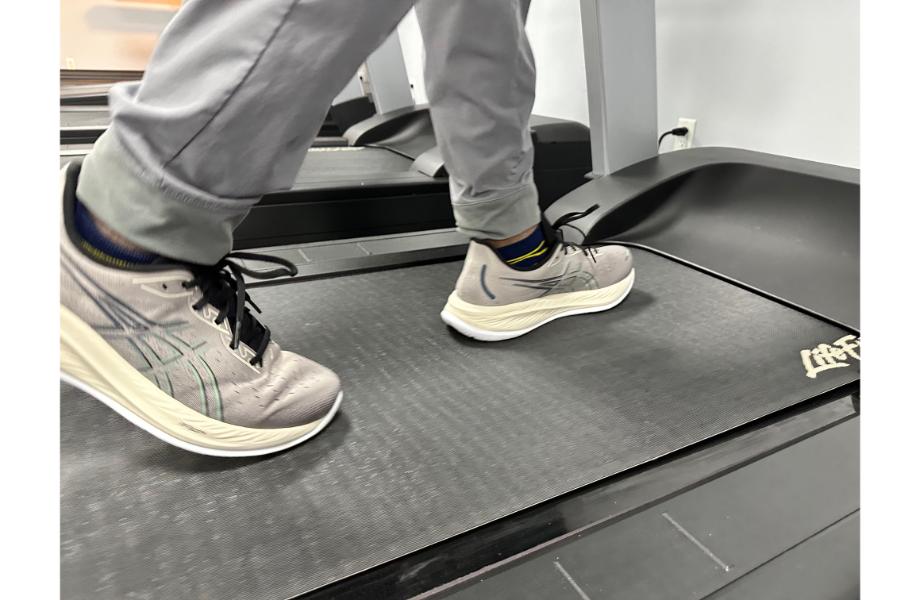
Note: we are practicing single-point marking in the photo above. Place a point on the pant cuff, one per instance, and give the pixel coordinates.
(141, 207)
(500, 217)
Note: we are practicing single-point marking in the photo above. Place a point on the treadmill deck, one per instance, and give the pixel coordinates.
(438, 434)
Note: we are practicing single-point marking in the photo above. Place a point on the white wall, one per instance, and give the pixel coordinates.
(777, 76)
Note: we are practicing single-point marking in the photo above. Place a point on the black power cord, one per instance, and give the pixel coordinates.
(678, 131)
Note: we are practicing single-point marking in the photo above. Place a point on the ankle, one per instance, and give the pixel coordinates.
(511, 240)
(105, 242)
(115, 237)
(524, 251)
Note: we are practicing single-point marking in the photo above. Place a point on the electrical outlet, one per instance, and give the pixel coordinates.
(70, 63)
(682, 142)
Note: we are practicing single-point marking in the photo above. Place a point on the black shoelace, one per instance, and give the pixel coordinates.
(222, 286)
(566, 220)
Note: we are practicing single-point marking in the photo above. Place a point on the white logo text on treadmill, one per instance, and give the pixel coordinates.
(824, 357)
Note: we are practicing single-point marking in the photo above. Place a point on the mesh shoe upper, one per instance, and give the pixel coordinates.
(487, 281)
(158, 322)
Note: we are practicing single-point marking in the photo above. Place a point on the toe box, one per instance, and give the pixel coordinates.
(614, 263)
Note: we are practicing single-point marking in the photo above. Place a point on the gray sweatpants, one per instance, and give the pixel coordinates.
(237, 90)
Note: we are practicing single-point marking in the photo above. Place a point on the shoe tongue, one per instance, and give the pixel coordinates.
(549, 233)
(251, 330)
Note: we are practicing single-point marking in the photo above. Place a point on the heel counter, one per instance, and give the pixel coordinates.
(472, 284)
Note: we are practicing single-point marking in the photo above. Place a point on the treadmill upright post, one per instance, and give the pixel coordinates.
(388, 80)
(353, 89)
(621, 70)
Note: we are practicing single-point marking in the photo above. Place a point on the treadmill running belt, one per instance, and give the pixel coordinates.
(438, 434)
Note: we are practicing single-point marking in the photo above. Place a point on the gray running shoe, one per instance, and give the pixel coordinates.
(493, 302)
(174, 349)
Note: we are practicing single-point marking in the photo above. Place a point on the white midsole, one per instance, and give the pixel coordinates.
(112, 380)
(494, 323)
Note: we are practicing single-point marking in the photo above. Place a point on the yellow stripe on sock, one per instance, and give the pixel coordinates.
(103, 257)
(538, 251)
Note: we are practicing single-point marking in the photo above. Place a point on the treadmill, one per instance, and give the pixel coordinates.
(84, 103)
(85, 115)
(699, 441)
(88, 87)
(82, 123)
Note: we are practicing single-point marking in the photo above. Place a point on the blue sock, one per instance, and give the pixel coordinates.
(526, 254)
(96, 243)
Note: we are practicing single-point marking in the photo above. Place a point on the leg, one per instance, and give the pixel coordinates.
(480, 79)
(231, 100)
(517, 276)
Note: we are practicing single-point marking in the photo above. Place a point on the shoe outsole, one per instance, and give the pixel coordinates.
(492, 335)
(184, 445)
